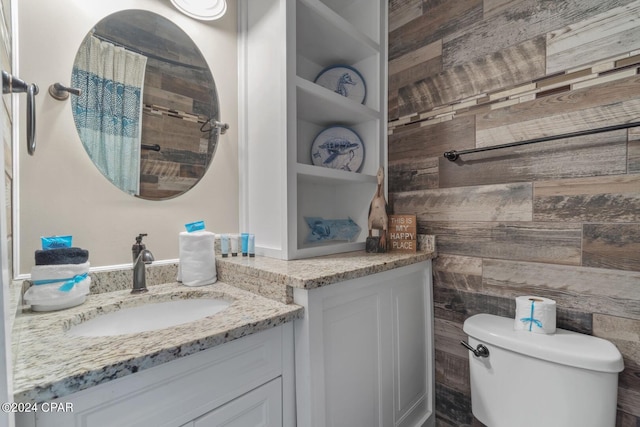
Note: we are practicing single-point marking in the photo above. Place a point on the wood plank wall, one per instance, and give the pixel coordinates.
(559, 219)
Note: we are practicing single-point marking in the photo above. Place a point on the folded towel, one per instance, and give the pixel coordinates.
(60, 273)
(56, 295)
(62, 256)
(197, 258)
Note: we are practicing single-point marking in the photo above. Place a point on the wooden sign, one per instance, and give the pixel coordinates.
(402, 233)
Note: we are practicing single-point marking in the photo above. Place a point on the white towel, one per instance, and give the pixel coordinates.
(61, 271)
(197, 258)
(59, 285)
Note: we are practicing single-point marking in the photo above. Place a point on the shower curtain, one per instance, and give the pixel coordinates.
(108, 112)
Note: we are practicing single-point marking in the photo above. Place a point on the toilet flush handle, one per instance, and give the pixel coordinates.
(480, 351)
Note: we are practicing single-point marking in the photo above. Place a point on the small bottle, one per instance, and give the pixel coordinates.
(245, 243)
(224, 245)
(234, 244)
(252, 245)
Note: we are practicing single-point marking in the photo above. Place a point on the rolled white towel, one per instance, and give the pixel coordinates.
(197, 258)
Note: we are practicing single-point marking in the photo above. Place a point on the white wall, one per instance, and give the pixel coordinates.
(60, 190)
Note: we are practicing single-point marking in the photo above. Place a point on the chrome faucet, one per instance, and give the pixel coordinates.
(141, 256)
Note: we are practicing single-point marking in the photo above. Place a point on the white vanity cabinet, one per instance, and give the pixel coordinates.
(364, 351)
(247, 382)
(284, 46)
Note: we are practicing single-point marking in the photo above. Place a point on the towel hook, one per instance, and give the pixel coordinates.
(214, 124)
(61, 92)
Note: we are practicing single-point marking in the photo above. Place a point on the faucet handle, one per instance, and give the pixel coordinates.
(139, 238)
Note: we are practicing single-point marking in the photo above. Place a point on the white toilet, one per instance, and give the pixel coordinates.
(531, 380)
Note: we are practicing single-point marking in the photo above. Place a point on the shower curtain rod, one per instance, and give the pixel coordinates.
(453, 155)
(148, 54)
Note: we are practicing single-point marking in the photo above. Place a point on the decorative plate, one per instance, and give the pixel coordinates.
(338, 147)
(344, 80)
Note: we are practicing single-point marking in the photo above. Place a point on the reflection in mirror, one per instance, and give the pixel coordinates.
(147, 101)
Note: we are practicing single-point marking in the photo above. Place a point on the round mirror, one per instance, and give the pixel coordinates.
(147, 104)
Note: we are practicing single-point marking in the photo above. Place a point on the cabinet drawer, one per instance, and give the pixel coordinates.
(261, 407)
(178, 391)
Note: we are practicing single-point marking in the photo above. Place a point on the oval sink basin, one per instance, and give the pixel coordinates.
(149, 317)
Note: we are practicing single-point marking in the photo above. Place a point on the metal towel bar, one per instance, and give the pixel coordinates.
(12, 84)
(453, 155)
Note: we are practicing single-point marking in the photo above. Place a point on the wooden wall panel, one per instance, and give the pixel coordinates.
(613, 199)
(521, 70)
(589, 289)
(453, 371)
(593, 155)
(615, 246)
(458, 272)
(538, 242)
(439, 18)
(608, 104)
(408, 76)
(500, 202)
(518, 22)
(431, 141)
(633, 162)
(523, 62)
(403, 11)
(612, 32)
(413, 174)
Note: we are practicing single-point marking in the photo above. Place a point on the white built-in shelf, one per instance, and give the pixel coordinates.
(326, 37)
(287, 111)
(322, 106)
(317, 174)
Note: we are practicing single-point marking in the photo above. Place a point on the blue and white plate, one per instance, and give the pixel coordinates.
(338, 147)
(343, 80)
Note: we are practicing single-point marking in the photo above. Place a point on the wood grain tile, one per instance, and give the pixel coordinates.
(629, 380)
(500, 202)
(456, 306)
(614, 199)
(452, 371)
(603, 105)
(593, 155)
(413, 174)
(514, 65)
(439, 18)
(520, 21)
(416, 57)
(453, 407)
(402, 12)
(623, 332)
(633, 156)
(432, 141)
(447, 337)
(615, 246)
(537, 242)
(609, 33)
(591, 290)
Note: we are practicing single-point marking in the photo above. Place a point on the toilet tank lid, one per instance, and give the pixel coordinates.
(563, 347)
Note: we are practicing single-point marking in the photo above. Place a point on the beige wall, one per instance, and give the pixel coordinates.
(560, 219)
(61, 192)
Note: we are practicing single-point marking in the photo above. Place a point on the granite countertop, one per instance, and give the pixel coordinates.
(275, 278)
(51, 363)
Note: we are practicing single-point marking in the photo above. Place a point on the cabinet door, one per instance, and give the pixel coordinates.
(364, 351)
(261, 407)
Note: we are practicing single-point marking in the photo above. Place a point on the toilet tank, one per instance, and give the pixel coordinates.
(532, 380)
